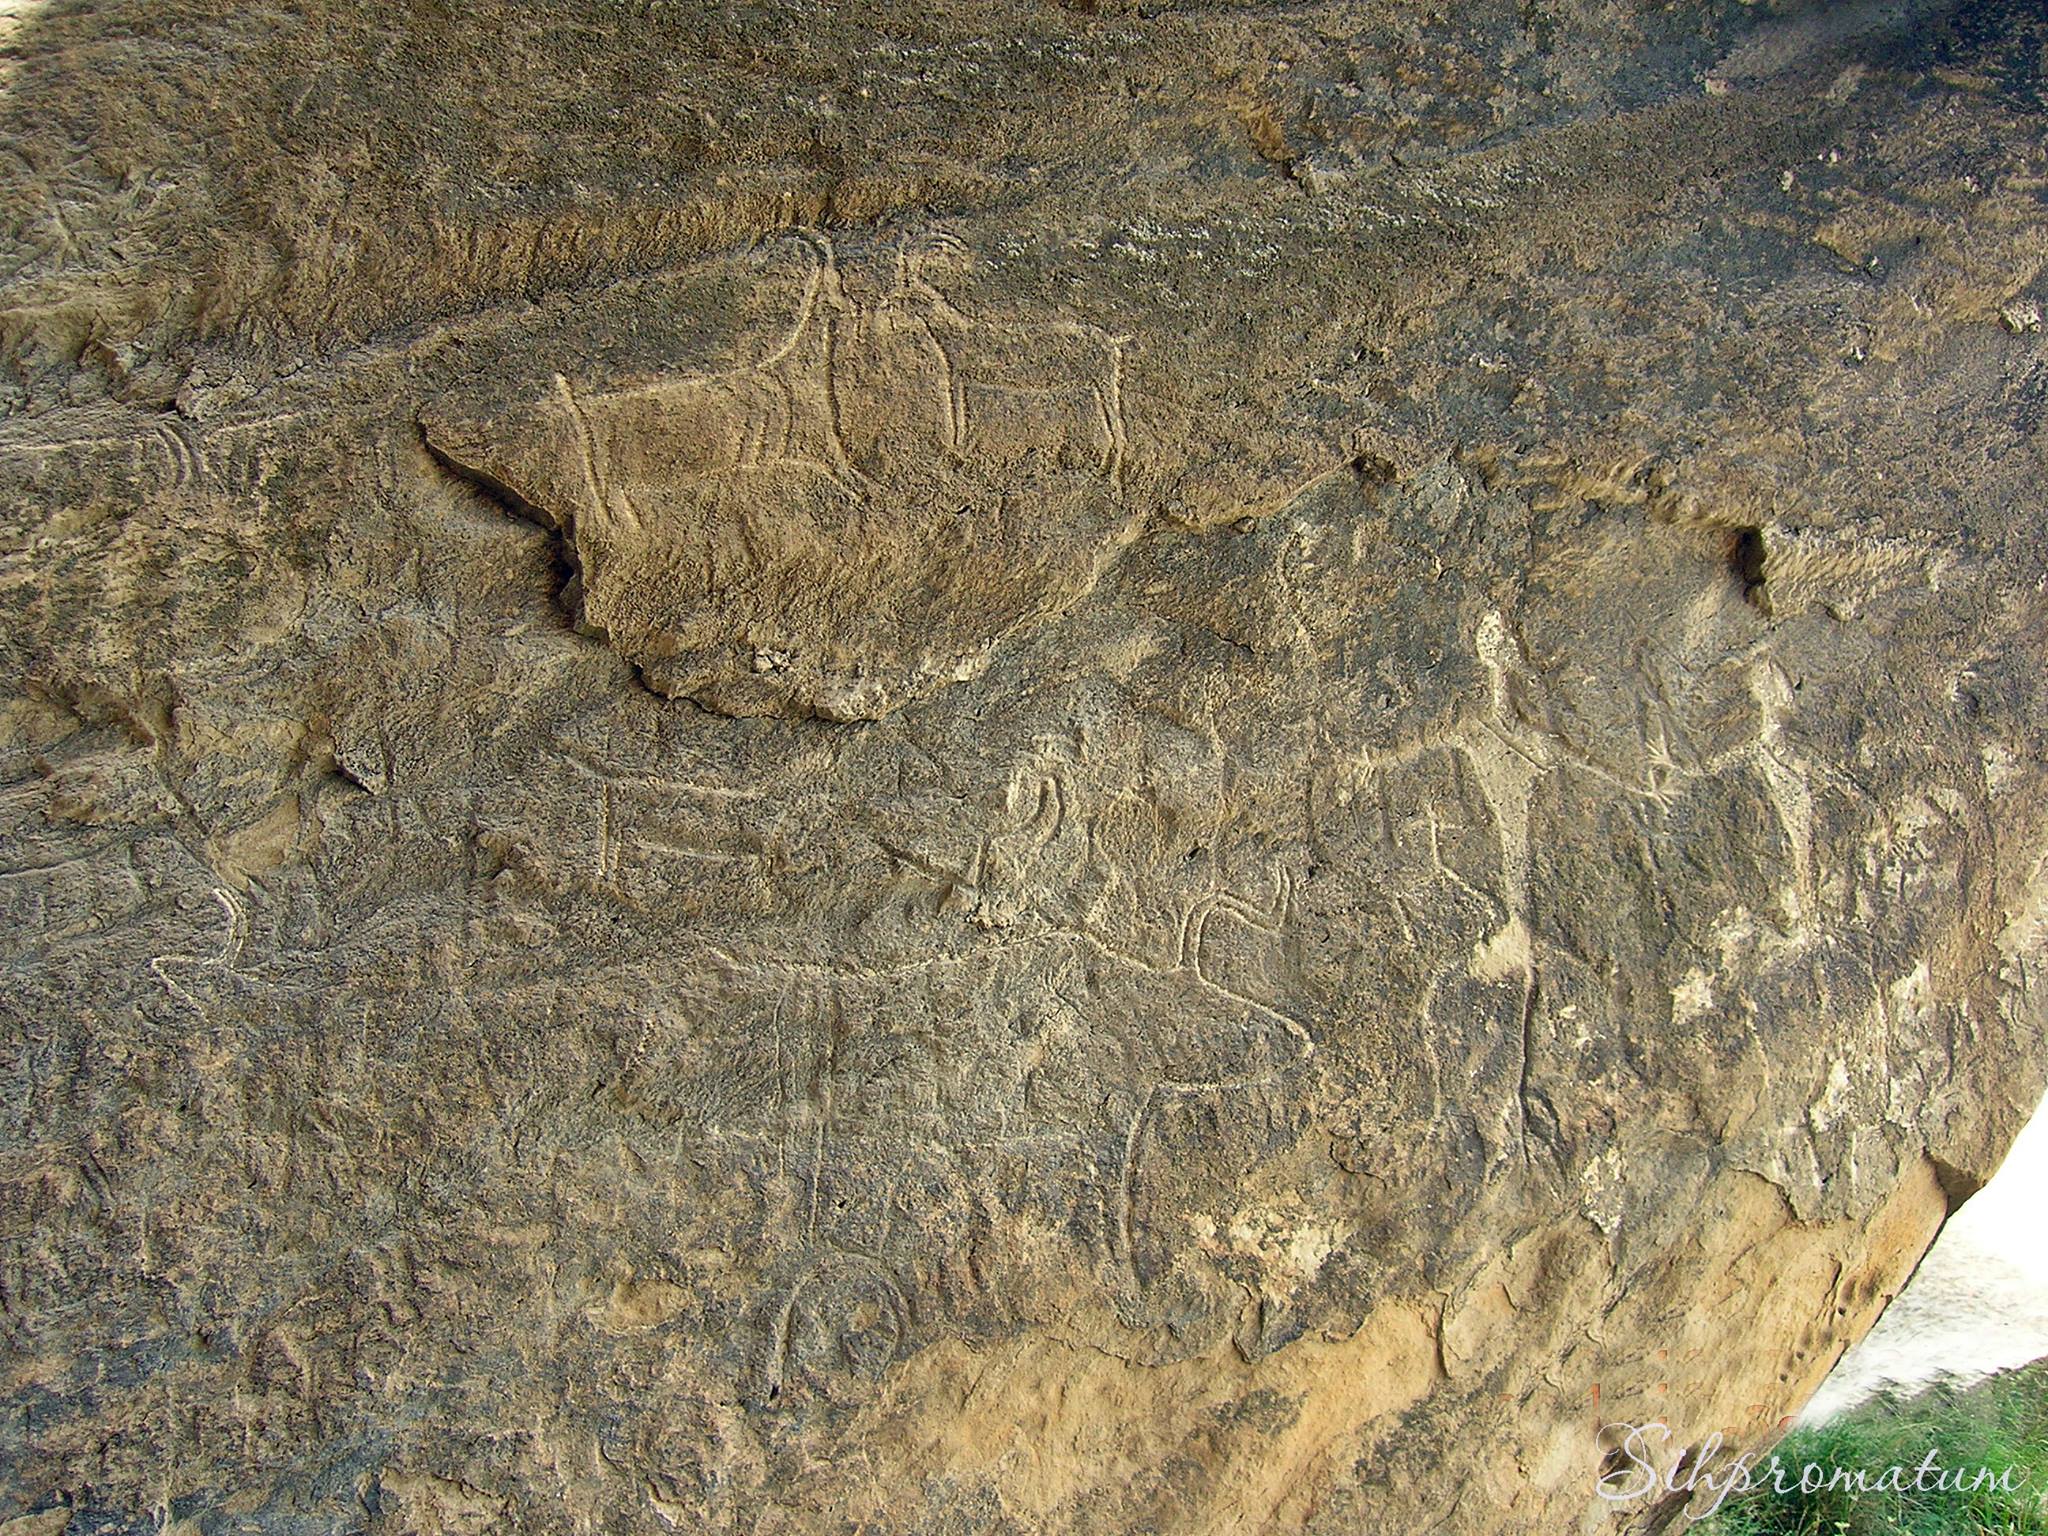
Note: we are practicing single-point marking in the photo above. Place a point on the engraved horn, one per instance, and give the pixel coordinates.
(824, 277)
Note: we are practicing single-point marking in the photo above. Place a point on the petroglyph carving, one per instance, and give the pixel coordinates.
(849, 520)
(845, 1319)
(1465, 799)
(181, 450)
(1268, 919)
(868, 393)
(639, 820)
(1510, 746)
(1124, 1236)
(228, 960)
(1001, 880)
(1509, 750)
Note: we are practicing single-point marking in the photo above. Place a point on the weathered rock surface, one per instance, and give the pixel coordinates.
(998, 768)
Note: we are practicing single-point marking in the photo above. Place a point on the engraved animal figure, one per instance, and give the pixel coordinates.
(1510, 749)
(854, 518)
(1063, 377)
(875, 395)
(775, 411)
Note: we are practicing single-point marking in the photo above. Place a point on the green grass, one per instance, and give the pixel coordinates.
(2000, 1424)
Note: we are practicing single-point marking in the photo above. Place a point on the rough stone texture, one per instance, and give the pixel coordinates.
(993, 768)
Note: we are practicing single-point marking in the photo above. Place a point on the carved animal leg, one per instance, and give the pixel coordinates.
(1113, 409)
(602, 501)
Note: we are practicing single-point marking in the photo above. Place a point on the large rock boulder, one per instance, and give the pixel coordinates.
(999, 767)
